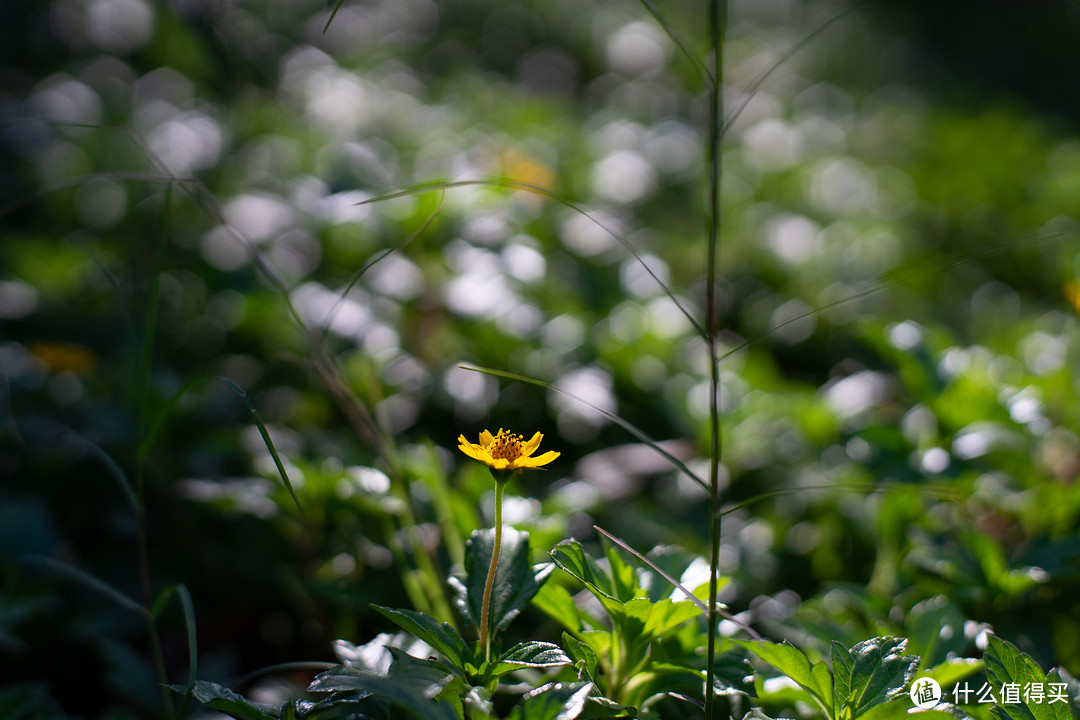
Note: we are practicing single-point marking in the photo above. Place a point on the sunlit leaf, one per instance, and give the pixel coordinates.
(870, 673)
(788, 659)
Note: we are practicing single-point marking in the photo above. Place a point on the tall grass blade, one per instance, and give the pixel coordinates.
(663, 573)
(142, 373)
(935, 491)
(714, 159)
(152, 436)
(188, 608)
(333, 15)
(624, 424)
(193, 646)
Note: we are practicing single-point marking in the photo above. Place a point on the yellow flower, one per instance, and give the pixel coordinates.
(506, 451)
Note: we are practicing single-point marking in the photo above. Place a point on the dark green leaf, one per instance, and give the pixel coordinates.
(788, 659)
(516, 580)
(733, 673)
(438, 635)
(224, 700)
(870, 673)
(412, 684)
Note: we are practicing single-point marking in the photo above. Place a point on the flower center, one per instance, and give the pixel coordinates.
(507, 446)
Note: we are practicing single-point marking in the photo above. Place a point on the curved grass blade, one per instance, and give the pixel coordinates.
(188, 607)
(75, 439)
(624, 424)
(756, 83)
(700, 67)
(155, 430)
(112, 466)
(78, 180)
(86, 579)
(510, 184)
(940, 492)
(374, 261)
(685, 591)
(282, 667)
(333, 15)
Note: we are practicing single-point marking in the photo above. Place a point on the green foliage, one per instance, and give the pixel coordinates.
(869, 674)
(1011, 672)
(331, 208)
(814, 678)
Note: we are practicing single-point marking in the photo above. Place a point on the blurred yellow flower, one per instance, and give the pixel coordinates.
(506, 451)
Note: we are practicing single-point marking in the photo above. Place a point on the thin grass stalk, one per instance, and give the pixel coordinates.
(142, 395)
(717, 28)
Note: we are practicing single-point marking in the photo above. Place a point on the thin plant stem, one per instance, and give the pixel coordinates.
(485, 608)
(717, 27)
(142, 401)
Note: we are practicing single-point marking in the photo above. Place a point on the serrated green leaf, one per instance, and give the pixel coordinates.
(870, 673)
(222, 699)
(528, 654)
(411, 684)
(571, 557)
(554, 701)
(788, 659)
(1006, 664)
(598, 706)
(438, 635)
(584, 657)
(516, 580)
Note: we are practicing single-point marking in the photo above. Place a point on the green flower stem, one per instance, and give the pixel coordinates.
(485, 610)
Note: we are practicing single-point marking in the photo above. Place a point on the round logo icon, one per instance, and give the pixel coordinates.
(925, 693)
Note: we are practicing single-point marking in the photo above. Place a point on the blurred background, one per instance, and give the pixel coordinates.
(183, 190)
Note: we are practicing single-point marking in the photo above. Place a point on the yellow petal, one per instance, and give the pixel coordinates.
(486, 438)
(476, 452)
(539, 460)
(497, 463)
(530, 447)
